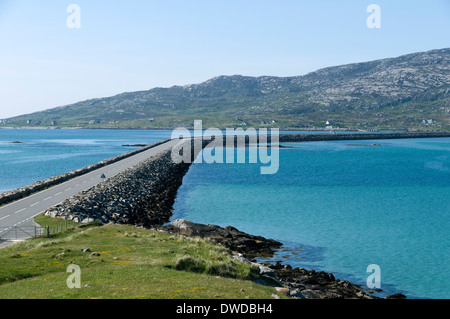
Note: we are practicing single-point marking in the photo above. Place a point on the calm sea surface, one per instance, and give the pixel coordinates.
(337, 206)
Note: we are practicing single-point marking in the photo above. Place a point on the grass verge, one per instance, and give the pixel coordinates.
(121, 261)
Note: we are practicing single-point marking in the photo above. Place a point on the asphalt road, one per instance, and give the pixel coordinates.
(21, 212)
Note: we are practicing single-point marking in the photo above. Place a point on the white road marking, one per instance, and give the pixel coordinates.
(4, 217)
(20, 211)
(34, 204)
(58, 193)
(47, 198)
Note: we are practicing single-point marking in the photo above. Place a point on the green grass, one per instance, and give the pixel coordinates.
(128, 262)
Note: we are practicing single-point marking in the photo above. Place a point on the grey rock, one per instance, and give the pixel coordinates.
(87, 220)
(313, 294)
(296, 293)
(266, 271)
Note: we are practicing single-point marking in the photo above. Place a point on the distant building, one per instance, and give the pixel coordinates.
(29, 122)
(54, 123)
(430, 121)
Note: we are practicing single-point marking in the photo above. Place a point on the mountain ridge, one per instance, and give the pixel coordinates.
(411, 91)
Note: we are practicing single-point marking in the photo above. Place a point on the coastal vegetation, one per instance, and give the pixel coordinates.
(123, 261)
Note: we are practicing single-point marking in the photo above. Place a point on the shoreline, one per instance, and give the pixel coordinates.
(296, 129)
(297, 283)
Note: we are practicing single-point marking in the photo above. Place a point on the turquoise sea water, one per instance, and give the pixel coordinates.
(341, 206)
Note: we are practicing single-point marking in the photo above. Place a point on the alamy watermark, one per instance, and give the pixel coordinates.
(223, 146)
(74, 280)
(374, 19)
(374, 279)
(73, 21)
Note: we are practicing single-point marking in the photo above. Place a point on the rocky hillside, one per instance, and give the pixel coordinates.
(410, 91)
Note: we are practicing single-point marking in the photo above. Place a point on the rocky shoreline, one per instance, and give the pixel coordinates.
(294, 282)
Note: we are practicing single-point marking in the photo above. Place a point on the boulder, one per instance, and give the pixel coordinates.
(229, 237)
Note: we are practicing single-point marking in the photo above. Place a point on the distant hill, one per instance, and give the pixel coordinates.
(410, 91)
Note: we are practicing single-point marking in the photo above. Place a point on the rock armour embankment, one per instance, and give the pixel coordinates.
(142, 195)
(251, 138)
(357, 136)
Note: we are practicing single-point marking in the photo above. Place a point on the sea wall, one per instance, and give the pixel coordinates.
(332, 136)
(13, 195)
(142, 195)
(357, 136)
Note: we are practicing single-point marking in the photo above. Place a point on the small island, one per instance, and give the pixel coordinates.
(134, 145)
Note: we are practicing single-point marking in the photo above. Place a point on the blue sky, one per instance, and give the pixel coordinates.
(136, 45)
